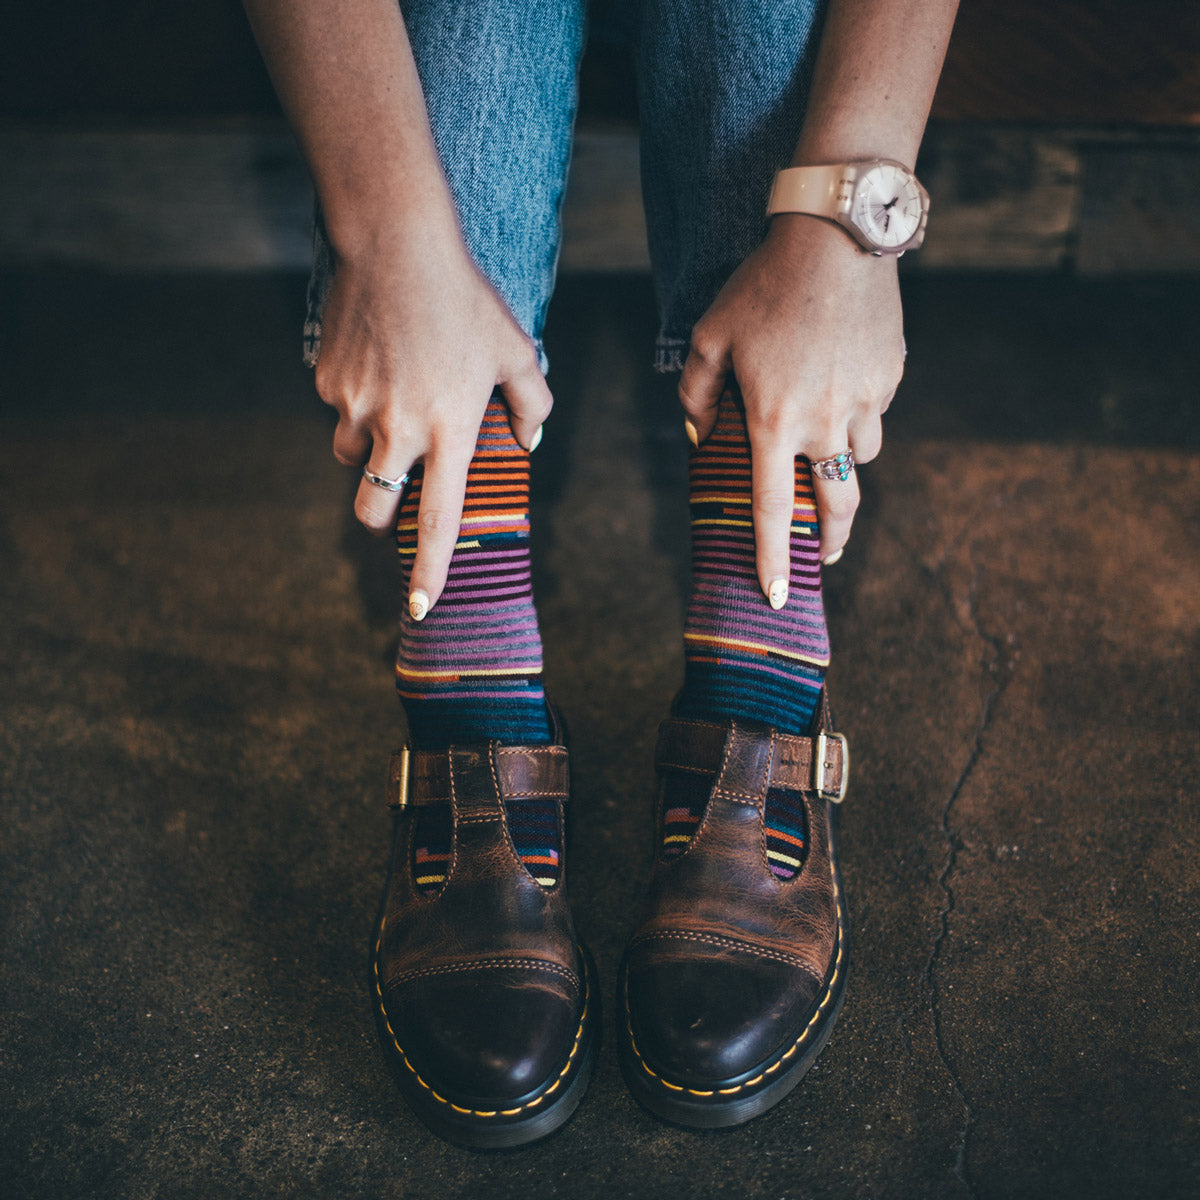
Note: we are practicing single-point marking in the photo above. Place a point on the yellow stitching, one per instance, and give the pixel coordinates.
(476, 1112)
(837, 970)
(737, 797)
(487, 964)
(716, 939)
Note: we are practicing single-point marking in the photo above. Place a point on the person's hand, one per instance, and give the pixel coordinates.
(414, 342)
(810, 327)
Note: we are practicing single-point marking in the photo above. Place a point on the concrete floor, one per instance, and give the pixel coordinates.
(196, 713)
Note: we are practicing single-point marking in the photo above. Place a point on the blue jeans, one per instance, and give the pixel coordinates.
(722, 86)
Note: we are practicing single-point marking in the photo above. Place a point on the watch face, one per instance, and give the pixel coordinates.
(887, 205)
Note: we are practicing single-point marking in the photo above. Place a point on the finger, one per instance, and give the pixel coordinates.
(700, 389)
(899, 376)
(439, 520)
(866, 438)
(837, 502)
(529, 401)
(773, 484)
(374, 504)
(351, 444)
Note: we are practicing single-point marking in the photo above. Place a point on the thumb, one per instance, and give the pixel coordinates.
(529, 401)
(700, 388)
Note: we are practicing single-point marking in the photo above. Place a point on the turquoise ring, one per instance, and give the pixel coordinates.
(837, 467)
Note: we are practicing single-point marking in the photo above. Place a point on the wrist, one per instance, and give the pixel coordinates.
(391, 225)
(803, 236)
(371, 209)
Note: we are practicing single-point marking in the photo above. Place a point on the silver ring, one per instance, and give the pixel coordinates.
(382, 481)
(837, 467)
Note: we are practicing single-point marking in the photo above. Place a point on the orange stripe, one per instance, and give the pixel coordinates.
(786, 837)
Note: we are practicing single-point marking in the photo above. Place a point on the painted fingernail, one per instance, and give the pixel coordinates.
(834, 557)
(537, 440)
(692, 435)
(777, 593)
(418, 604)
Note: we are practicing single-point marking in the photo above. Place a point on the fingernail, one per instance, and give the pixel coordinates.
(418, 604)
(537, 440)
(834, 557)
(777, 593)
(692, 435)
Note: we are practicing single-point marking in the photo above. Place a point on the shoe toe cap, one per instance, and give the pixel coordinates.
(712, 1022)
(485, 1039)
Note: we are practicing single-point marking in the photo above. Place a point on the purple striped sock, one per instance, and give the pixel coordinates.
(745, 660)
(471, 670)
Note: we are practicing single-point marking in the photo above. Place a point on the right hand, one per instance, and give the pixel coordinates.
(414, 342)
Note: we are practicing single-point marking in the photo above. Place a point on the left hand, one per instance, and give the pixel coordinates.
(810, 326)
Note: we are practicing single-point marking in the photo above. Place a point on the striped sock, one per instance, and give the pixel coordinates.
(745, 660)
(471, 670)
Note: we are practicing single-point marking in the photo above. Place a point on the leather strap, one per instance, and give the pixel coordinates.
(799, 764)
(422, 777)
(812, 190)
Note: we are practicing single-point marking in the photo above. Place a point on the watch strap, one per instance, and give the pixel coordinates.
(811, 190)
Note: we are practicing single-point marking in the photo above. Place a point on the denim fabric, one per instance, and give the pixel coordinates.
(499, 84)
(722, 89)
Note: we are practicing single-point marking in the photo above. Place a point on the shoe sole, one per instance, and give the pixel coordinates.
(734, 1101)
(534, 1116)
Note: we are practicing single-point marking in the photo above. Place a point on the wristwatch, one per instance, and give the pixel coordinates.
(878, 201)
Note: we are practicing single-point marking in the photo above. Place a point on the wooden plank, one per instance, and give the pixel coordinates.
(1073, 62)
(237, 198)
(226, 199)
(1139, 210)
(999, 199)
(604, 228)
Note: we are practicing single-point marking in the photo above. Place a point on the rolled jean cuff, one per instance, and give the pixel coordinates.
(312, 345)
(670, 353)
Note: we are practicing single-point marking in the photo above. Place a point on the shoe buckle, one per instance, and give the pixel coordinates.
(820, 763)
(397, 783)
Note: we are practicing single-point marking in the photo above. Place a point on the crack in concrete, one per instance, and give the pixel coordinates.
(953, 844)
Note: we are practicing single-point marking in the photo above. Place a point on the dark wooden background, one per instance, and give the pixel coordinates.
(1062, 61)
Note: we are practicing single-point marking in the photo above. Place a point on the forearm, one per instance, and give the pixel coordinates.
(347, 81)
(875, 76)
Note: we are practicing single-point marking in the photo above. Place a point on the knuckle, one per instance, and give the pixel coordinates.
(526, 360)
(348, 446)
(768, 426)
(371, 517)
(842, 508)
(869, 446)
(704, 347)
(389, 428)
(325, 386)
(433, 522)
(774, 502)
(690, 406)
(828, 437)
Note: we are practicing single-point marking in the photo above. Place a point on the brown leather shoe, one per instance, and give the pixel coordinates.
(732, 982)
(487, 1005)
